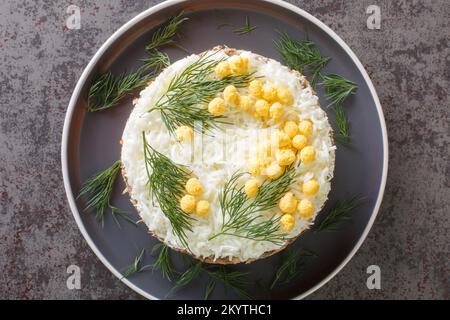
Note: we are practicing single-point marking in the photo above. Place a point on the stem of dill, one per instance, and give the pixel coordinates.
(98, 190)
(239, 212)
(181, 104)
(107, 90)
(166, 181)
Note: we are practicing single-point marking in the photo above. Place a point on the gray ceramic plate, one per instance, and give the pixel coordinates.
(90, 142)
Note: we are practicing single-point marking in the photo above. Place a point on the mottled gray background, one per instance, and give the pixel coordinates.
(41, 60)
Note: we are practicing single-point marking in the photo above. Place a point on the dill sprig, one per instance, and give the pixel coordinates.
(337, 88)
(98, 190)
(230, 279)
(342, 124)
(164, 35)
(239, 212)
(155, 61)
(292, 264)
(187, 277)
(107, 90)
(181, 103)
(235, 280)
(118, 212)
(338, 214)
(136, 266)
(246, 29)
(301, 55)
(164, 262)
(209, 289)
(166, 181)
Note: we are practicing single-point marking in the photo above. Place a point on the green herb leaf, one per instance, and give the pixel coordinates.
(187, 277)
(107, 90)
(291, 266)
(209, 289)
(117, 212)
(340, 213)
(156, 61)
(181, 103)
(98, 190)
(166, 181)
(239, 212)
(135, 267)
(164, 262)
(233, 279)
(337, 88)
(246, 29)
(342, 124)
(163, 36)
(301, 55)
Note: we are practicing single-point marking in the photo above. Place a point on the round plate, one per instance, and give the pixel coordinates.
(90, 142)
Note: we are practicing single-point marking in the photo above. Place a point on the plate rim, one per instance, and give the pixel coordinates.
(87, 70)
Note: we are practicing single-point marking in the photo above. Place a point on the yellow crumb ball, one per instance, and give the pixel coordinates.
(222, 69)
(251, 188)
(187, 203)
(255, 88)
(276, 110)
(184, 133)
(270, 92)
(299, 141)
(288, 203)
(274, 170)
(194, 187)
(287, 222)
(246, 103)
(285, 157)
(280, 139)
(230, 94)
(305, 208)
(307, 154)
(310, 187)
(284, 96)
(254, 167)
(305, 127)
(262, 108)
(291, 128)
(217, 106)
(238, 64)
(202, 208)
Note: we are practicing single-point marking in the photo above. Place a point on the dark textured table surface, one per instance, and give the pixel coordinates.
(407, 59)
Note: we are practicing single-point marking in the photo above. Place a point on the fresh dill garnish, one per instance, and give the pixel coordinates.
(107, 90)
(187, 277)
(181, 103)
(98, 190)
(342, 124)
(155, 61)
(301, 55)
(209, 289)
(232, 279)
(164, 262)
(117, 212)
(291, 266)
(239, 212)
(136, 266)
(163, 36)
(166, 181)
(246, 29)
(337, 88)
(339, 213)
